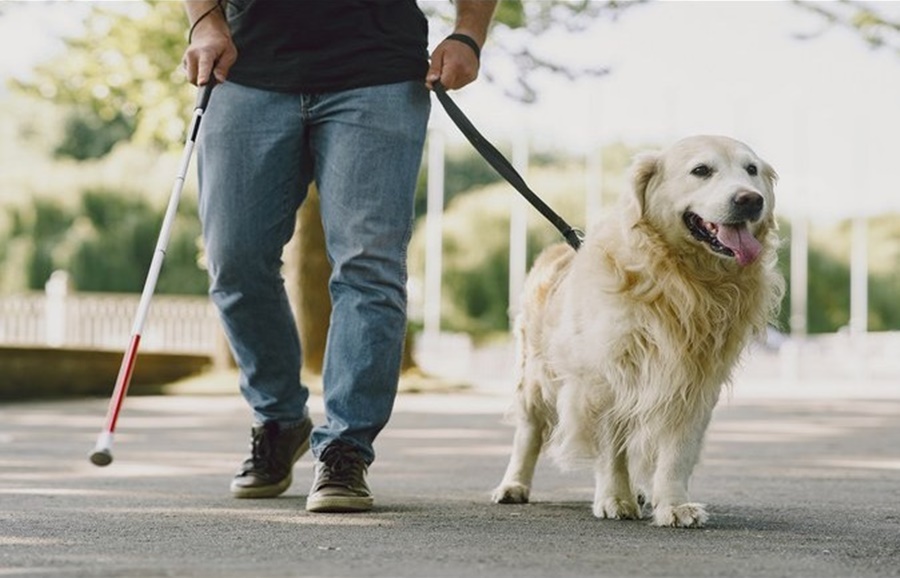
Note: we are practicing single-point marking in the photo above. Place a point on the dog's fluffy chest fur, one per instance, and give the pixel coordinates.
(685, 322)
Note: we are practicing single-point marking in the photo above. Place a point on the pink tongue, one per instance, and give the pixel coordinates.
(738, 238)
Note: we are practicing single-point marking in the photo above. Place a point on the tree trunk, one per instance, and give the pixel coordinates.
(408, 362)
(306, 271)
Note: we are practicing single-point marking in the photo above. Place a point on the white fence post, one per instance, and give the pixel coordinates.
(57, 290)
(518, 231)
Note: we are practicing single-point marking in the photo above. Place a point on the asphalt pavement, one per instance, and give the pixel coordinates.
(798, 483)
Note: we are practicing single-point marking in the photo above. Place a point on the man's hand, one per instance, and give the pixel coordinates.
(211, 50)
(455, 63)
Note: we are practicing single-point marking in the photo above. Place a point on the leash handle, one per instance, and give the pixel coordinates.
(496, 159)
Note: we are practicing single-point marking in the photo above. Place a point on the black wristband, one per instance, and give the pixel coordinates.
(468, 41)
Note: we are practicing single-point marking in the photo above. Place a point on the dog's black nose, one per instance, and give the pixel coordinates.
(747, 205)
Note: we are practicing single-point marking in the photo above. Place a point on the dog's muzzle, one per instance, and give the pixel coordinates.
(731, 239)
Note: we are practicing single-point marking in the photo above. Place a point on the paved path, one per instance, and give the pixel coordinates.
(796, 486)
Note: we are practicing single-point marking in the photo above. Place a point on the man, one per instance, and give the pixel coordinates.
(336, 92)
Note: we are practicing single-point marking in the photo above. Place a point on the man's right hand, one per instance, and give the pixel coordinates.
(211, 50)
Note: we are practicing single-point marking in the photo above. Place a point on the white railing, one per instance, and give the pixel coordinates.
(60, 318)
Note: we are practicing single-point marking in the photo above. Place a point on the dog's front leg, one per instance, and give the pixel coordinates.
(527, 442)
(678, 455)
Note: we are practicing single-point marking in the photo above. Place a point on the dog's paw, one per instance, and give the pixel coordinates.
(511, 494)
(642, 499)
(617, 509)
(688, 515)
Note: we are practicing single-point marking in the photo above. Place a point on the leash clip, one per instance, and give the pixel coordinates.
(574, 237)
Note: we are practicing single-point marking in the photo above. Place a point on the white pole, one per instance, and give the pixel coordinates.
(799, 274)
(433, 234)
(518, 230)
(791, 352)
(859, 295)
(859, 255)
(859, 278)
(56, 290)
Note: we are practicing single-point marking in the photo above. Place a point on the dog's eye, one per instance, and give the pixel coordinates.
(752, 170)
(702, 171)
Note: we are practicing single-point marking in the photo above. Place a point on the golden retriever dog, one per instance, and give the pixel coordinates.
(625, 344)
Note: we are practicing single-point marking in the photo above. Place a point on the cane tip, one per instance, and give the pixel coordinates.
(101, 457)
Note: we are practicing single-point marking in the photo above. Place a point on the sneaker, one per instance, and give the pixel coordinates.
(267, 472)
(340, 482)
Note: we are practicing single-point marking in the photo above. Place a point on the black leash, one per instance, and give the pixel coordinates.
(504, 167)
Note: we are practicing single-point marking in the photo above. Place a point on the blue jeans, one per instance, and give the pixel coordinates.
(257, 153)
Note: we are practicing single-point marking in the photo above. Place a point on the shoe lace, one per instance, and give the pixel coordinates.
(342, 464)
(261, 446)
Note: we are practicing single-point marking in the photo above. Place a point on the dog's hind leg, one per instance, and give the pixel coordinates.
(527, 443)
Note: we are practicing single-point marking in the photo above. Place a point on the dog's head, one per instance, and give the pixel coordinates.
(707, 191)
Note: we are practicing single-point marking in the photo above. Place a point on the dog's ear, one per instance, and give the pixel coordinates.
(643, 169)
(769, 175)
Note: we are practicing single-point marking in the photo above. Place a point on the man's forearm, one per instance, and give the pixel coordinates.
(196, 8)
(473, 18)
(211, 12)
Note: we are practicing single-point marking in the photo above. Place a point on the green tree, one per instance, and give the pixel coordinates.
(475, 252)
(106, 242)
(123, 71)
(87, 136)
(113, 240)
(48, 225)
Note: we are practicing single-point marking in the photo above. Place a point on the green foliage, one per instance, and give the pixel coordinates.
(105, 242)
(475, 255)
(829, 275)
(464, 170)
(87, 136)
(49, 223)
(884, 314)
(123, 72)
(511, 13)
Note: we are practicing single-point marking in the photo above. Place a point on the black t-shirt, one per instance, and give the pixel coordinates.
(317, 46)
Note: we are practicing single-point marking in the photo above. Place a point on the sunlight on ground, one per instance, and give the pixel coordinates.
(295, 517)
(872, 464)
(225, 382)
(217, 382)
(49, 492)
(23, 541)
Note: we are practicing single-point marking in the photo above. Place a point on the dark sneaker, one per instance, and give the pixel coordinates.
(267, 472)
(340, 483)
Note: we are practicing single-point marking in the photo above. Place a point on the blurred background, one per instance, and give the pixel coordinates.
(94, 108)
